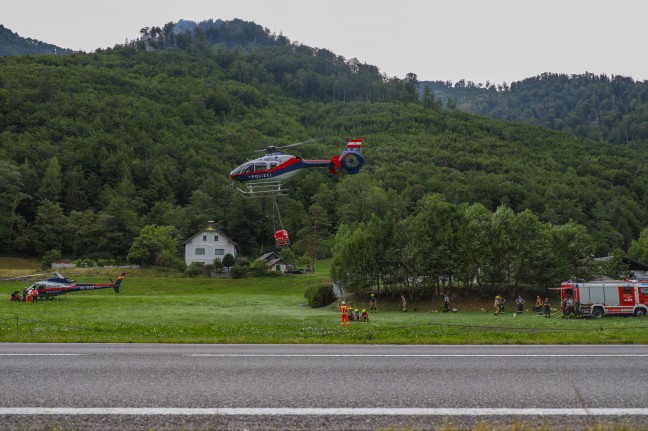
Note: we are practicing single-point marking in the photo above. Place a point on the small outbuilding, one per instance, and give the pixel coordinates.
(275, 263)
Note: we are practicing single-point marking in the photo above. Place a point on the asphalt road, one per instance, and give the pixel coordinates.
(134, 386)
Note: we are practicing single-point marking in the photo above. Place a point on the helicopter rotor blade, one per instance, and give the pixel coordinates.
(308, 141)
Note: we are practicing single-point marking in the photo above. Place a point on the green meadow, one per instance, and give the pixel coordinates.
(156, 307)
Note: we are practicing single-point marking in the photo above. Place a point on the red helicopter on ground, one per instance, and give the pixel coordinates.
(61, 285)
(267, 175)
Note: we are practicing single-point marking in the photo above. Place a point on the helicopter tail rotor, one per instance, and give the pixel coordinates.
(350, 160)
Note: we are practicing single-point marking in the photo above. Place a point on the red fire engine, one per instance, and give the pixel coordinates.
(614, 297)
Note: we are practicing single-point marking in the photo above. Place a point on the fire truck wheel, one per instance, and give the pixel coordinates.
(597, 313)
(640, 312)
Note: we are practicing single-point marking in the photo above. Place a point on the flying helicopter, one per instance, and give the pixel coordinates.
(268, 174)
(54, 286)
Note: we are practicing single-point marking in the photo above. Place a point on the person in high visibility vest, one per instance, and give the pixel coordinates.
(344, 309)
(34, 296)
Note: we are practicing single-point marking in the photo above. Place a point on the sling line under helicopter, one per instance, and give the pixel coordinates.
(281, 235)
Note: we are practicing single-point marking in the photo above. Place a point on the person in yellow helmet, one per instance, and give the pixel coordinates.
(365, 316)
(373, 302)
(344, 309)
(357, 315)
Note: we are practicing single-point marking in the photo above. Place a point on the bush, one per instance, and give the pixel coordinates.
(50, 257)
(320, 296)
(239, 271)
(194, 269)
(260, 267)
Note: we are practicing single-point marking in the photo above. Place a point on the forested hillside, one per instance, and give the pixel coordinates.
(93, 147)
(598, 107)
(12, 44)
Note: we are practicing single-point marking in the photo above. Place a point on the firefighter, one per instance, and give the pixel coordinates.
(357, 314)
(520, 303)
(568, 308)
(344, 309)
(372, 302)
(538, 305)
(34, 293)
(365, 316)
(403, 303)
(547, 307)
(496, 305)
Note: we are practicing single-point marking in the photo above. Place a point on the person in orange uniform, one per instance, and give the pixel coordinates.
(344, 309)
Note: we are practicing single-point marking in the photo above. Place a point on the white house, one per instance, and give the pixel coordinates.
(206, 245)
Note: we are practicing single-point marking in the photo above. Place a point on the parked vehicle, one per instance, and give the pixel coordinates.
(295, 271)
(599, 298)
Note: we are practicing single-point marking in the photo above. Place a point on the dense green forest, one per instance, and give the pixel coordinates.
(598, 107)
(94, 147)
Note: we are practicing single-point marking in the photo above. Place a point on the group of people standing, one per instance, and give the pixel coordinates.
(541, 305)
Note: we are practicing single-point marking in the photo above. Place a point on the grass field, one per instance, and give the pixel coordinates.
(156, 307)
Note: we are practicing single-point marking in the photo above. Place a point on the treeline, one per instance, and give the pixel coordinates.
(442, 246)
(597, 107)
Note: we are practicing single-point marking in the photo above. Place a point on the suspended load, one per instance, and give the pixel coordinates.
(281, 238)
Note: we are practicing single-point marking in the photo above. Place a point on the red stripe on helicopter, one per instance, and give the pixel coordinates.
(354, 143)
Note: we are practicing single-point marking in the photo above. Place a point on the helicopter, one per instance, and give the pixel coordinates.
(54, 287)
(266, 175)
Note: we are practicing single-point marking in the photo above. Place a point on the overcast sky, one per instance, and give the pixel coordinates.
(477, 40)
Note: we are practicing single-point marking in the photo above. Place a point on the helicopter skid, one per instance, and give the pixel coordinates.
(263, 188)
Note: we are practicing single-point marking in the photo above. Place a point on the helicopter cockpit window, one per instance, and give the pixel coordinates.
(260, 166)
(249, 167)
(273, 165)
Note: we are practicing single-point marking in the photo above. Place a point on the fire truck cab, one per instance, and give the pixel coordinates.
(614, 297)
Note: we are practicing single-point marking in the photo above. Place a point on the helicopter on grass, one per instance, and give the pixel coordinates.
(61, 285)
(268, 174)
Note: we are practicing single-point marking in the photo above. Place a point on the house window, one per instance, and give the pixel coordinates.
(200, 252)
(219, 251)
(215, 238)
(204, 237)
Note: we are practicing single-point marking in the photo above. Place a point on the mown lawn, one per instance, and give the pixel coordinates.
(153, 307)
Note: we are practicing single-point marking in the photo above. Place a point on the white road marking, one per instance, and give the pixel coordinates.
(71, 411)
(42, 354)
(352, 355)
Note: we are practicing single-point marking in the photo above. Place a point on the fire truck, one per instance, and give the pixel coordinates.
(599, 298)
